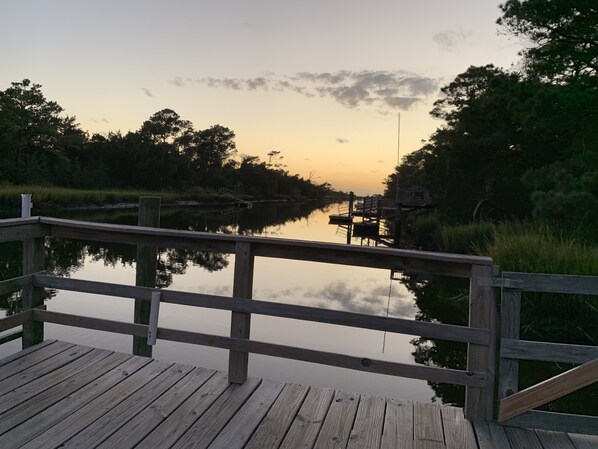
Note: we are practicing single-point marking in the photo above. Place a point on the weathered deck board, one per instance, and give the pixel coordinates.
(102, 428)
(104, 400)
(45, 420)
(369, 422)
(240, 428)
(34, 405)
(139, 427)
(186, 415)
(458, 432)
(20, 364)
(276, 423)
(339, 421)
(398, 425)
(306, 425)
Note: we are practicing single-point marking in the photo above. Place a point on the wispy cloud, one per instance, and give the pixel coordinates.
(385, 91)
(451, 40)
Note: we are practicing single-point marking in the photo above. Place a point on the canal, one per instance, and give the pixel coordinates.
(372, 291)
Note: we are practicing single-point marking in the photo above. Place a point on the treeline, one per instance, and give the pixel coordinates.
(519, 143)
(40, 145)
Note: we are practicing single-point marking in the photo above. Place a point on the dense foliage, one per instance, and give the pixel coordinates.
(40, 145)
(520, 144)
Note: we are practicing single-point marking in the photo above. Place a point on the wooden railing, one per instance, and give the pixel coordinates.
(515, 407)
(480, 335)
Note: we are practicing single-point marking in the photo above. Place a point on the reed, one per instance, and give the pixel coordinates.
(467, 238)
(47, 197)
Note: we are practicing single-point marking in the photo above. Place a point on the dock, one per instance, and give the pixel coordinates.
(59, 394)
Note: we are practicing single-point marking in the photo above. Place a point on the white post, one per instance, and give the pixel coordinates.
(26, 205)
(152, 331)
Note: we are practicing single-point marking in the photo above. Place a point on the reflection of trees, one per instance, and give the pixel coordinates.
(65, 256)
(445, 300)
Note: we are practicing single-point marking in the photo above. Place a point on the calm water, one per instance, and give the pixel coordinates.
(313, 284)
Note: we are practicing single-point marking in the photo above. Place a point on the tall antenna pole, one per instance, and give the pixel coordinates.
(398, 153)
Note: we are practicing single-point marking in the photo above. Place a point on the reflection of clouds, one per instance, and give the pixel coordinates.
(365, 297)
(360, 298)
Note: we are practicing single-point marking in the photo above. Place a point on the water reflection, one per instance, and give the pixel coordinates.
(338, 287)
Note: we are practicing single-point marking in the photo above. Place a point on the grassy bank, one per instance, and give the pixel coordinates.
(45, 198)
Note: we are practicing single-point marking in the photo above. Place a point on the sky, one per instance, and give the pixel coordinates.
(323, 82)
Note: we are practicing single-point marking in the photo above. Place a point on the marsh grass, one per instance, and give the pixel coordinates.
(467, 238)
(48, 197)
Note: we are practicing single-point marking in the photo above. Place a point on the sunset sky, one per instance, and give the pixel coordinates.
(320, 81)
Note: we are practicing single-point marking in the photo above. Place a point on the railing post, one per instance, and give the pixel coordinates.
(33, 261)
(241, 322)
(145, 271)
(479, 402)
(510, 323)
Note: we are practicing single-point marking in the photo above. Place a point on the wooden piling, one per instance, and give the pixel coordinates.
(145, 272)
(33, 261)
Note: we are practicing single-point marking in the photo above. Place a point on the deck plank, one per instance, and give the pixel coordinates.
(369, 423)
(427, 424)
(40, 422)
(169, 431)
(141, 425)
(521, 438)
(89, 398)
(584, 441)
(241, 427)
(398, 425)
(43, 368)
(53, 385)
(31, 359)
(554, 440)
(100, 429)
(458, 433)
(306, 425)
(209, 425)
(491, 436)
(17, 355)
(94, 409)
(277, 422)
(338, 423)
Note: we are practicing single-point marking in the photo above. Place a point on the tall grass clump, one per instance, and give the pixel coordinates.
(468, 238)
(427, 232)
(542, 252)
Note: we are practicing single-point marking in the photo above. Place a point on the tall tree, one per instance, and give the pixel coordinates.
(209, 149)
(34, 134)
(563, 36)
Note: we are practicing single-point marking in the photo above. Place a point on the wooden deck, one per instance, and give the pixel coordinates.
(59, 394)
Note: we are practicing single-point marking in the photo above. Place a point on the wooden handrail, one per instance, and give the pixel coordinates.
(426, 329)
(431, 373)
(15, 320)
(549, 390)
(480, 334)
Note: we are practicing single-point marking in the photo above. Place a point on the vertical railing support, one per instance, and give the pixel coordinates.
(145, 272)
(33, 261)
(479, 402)
(510, 324)
(241, 322)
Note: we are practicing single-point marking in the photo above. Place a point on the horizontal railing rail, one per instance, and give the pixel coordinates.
(479, 335)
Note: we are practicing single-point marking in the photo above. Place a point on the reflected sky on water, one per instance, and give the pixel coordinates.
(338, 287)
